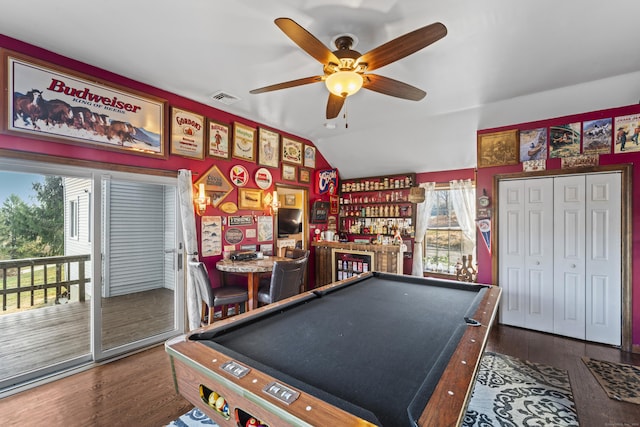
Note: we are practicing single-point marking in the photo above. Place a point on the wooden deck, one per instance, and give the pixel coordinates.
(40, 337)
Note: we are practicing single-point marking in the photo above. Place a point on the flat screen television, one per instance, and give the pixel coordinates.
(289, 221)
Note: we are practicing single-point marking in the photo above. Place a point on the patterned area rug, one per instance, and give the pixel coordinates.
(619, 381)
(508, 392)
(193, 418)
(513, 392)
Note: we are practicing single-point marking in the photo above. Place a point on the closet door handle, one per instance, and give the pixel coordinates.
(573, 266)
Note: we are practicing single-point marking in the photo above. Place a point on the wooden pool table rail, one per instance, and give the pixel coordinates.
(192, 365)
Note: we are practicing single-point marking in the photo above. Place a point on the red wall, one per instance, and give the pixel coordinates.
(172, 163)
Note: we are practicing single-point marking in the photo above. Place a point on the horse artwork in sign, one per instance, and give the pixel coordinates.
(53, 103)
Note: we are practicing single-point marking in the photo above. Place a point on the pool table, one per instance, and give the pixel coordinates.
(375, 349)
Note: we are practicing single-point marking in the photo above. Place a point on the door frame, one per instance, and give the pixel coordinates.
(626, 228)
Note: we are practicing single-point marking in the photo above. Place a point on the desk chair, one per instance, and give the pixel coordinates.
(286, 279)
(221, 297)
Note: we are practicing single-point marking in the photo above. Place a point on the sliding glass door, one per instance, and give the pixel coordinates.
(46, 315)
(140, 261)
(90, 266)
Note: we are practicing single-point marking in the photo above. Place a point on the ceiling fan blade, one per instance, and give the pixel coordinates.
(285, 85)
(403, 46)
(392, 87)
(307, 41)
(334, 105)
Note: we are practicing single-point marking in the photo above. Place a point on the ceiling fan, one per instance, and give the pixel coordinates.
(346, 71)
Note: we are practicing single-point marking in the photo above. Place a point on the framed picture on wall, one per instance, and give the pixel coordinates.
(51, 103)
(596, 136)
(304, 176)
(216, 186)
(498, 148)
(268, 148)
(265, 228)
(309, 156)
(564, 140)
(249, 198)
(533, 144)
(289, 172)
(291, 151)
(244, 142)
(289, 199)
(626, 131)
(187, 134)
(218, 141)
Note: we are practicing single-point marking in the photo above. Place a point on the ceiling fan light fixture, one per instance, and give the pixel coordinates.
(344, 83)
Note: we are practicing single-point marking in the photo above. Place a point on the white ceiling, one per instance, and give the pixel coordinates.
(496, 53)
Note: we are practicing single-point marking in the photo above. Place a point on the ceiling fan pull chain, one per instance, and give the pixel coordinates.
(346, 107)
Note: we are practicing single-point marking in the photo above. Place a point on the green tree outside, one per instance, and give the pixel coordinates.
(33, 231)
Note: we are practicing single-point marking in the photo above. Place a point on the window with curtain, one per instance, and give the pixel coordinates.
(445, 241)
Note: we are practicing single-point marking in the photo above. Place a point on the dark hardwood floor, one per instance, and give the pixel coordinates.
(138, 390)
(134, 391)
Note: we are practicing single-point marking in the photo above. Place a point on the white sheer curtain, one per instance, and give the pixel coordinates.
(463, 201)
(423, 211)
(187, 213)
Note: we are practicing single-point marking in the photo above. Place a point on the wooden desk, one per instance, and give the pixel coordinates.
(252, 268)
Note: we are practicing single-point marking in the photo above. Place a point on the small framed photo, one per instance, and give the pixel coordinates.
(596, 136)
(564, 140)
(291, 151)
(218, 141)
(498, 149)
(309, 156)
(244, 142)
(304, 176)
(187, 134)
(249, 198)
(268, 148)
(289, 172)
(626, 131)
(289, 199)
(533, 144)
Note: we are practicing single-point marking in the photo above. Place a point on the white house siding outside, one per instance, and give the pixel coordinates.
(77, 191)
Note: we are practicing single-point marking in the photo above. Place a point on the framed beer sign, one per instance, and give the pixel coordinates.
(54, 103)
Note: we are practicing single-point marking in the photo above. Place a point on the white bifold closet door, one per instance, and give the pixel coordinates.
(526, 253)
(560, 255)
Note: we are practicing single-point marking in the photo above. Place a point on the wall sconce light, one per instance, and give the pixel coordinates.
(201, 201)
(275, 203)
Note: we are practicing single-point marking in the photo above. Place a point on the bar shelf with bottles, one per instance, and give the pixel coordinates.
(377, 206)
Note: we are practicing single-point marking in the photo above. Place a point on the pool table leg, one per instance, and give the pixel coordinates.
(253, 282)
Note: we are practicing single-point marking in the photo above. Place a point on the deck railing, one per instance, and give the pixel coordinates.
(22, 278)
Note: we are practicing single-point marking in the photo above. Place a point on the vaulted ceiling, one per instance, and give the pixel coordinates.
(496, 52)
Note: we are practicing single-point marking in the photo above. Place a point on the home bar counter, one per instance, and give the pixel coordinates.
(381, 258)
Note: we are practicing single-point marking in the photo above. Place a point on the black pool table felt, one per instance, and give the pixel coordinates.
(368, 348)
